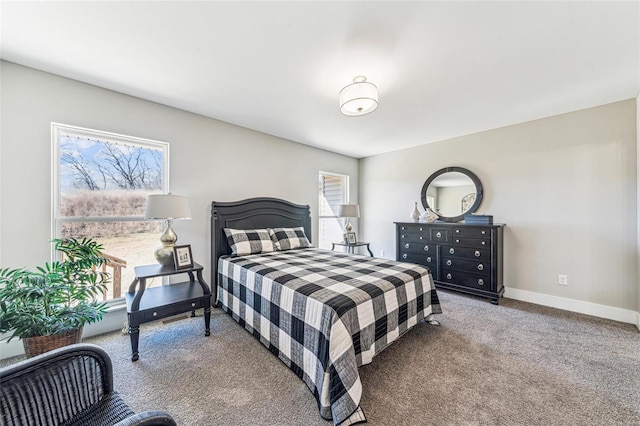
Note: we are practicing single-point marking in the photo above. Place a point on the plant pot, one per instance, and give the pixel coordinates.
(40, 344)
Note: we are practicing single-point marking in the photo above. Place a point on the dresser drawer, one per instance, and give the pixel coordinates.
(413, 247)
(480, 282)
(472, 242)
(467, 253)
(412, 228)
(483, 268)
(413, 236)
(429, 260)
(439, 235)
(470, 231)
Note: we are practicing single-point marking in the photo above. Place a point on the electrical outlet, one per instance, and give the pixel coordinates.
(563, 280)
(381, 253)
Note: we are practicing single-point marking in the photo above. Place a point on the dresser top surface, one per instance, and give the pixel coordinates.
(495, 225)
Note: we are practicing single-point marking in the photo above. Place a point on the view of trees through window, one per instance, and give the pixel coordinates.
(102, 183)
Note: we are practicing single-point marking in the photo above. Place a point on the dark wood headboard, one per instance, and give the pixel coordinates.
(252, 213)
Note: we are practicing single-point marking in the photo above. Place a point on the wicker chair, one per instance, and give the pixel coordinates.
(68, 386)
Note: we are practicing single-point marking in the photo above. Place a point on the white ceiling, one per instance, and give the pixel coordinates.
(443, 69)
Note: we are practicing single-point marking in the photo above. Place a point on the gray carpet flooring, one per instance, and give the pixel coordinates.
(513, 364)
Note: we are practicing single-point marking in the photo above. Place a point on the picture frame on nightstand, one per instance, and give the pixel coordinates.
(182, 257)
(351, 238)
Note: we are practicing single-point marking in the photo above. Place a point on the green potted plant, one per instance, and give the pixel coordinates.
(48, 307)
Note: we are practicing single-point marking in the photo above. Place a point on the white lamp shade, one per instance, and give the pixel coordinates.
(348, 210)
(359, 98)
(167, 206)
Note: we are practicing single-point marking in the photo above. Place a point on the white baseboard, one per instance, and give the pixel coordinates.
(588, 308)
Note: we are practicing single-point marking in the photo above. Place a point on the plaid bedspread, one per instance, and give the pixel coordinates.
(324, 313)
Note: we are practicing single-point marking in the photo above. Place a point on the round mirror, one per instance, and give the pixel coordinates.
(451, 193)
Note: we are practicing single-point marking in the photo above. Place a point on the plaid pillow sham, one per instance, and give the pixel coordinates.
(249, 241)
(289, 238)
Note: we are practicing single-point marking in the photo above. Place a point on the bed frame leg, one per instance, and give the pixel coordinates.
(429, 320)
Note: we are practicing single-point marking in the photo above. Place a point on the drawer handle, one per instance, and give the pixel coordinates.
(429, 259)
(404, 256)
(449, 262)
(438, 234)
(451, 250)
(484, 242)
(457, 231)
(477, 253)
(426, 248)
(421, 229)
(484, 232)
(155, 314)
(448, 276)
(406, 245)
(420, 237)
(404, 236)
(403, 228)
(193, 304)
(457, 241)
(480, 281)
(480, 267)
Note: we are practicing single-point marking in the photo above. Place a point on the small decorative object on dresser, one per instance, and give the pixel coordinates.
(428, 216)
(462, 257)
(415, 213)
(478, 219)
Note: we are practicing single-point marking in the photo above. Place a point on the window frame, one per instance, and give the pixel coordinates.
(345, 198)
(58, 130)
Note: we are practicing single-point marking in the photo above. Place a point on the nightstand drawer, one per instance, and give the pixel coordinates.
(170, 310)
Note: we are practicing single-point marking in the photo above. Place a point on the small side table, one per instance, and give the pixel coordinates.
(166, 300)
(351, 248)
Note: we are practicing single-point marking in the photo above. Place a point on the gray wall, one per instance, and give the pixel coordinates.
(564, 185)
(209, 160)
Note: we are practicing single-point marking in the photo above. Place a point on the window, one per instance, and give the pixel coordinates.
(100, 184)
(333, 191)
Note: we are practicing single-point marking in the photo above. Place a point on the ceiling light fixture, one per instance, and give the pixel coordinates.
(359, 98)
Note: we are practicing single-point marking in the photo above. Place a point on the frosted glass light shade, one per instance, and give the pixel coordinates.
(359, 98)
(348, 210)
(167, 206)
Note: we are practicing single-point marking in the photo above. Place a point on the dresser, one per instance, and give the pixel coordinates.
(466, 258)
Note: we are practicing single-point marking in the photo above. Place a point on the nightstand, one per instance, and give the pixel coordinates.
(165, 300)
(351, 248)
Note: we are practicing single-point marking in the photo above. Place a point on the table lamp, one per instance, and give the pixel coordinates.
(347, 211)
(167, 207)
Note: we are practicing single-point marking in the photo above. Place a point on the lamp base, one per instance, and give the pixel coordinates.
(164, 255)
(347, 228)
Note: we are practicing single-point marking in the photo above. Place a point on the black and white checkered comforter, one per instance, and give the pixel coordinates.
(325, 313)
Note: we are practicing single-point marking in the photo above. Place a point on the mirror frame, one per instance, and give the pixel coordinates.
(470, 175)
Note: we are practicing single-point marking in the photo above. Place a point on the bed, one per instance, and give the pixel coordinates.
(323, 313)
